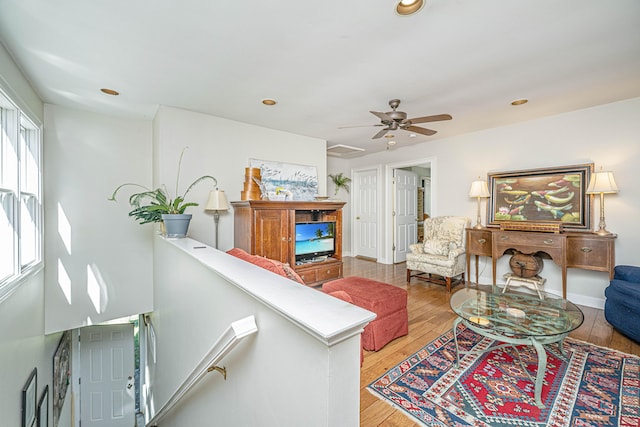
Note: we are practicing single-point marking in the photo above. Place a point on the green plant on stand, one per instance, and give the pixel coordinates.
(155, 205)
(340, 181)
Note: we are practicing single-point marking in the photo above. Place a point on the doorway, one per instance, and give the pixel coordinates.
(403, 211)
(366, 214)
(108, 375)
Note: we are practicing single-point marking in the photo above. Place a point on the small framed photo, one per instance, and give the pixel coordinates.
(29, 398)
(43, 408)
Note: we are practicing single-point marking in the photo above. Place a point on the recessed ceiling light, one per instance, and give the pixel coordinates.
(413, 135)
(519, 101)
(110, 91)
(269, 102)
(391, 143)
(408, 7)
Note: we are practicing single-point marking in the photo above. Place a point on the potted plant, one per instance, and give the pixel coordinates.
(340, 181)
(155, 205)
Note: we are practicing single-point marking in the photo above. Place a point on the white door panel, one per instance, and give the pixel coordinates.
(107, 389)
(405, 213)
(366, 214)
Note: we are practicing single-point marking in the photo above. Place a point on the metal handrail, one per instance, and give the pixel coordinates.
(237, 331)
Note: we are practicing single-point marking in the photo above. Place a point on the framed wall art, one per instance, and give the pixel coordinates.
(29, 398)
(61, 374)
(43, 408)
(542, 196)
(287, 181)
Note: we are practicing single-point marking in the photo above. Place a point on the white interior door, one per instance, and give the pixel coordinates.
(405, 213)
(365, 217)
(107, 387)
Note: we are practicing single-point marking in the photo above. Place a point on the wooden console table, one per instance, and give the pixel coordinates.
(587, 251)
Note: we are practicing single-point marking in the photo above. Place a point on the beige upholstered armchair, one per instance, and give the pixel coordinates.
(441, 257)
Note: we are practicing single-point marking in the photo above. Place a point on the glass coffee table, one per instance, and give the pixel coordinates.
(516, 318)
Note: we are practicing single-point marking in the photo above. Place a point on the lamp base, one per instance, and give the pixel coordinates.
(604, 232)
(478, 226)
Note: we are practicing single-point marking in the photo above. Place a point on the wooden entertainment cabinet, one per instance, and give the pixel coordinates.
(267, 228)
(588, 251)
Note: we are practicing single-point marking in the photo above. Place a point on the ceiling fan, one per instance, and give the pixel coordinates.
(394, 120)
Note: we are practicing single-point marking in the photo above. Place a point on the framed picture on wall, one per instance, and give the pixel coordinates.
(547, 195)
(43, 408)
(29, 399)
(291, 181)
(61, 374)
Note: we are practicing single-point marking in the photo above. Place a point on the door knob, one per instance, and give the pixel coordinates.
(357, 217)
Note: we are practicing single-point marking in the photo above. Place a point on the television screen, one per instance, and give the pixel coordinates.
(314, 239)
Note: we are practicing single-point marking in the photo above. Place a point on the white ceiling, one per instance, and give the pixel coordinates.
(329, 62)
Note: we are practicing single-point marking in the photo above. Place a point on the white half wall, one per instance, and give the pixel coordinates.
(302, 367)
(98, 260)
(607, 135)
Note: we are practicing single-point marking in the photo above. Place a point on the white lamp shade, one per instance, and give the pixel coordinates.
(479, 189)
(602, 182)
(217, 201)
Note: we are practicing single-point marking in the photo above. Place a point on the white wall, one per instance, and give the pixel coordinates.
(607, 135)
(222, 148)
(302, 367)
(23, 344)
(99, 261)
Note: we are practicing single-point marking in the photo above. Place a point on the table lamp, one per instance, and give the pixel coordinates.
(479, 190)
(602, 183)
(217, 202)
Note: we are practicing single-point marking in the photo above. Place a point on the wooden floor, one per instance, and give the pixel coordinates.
(429, 317)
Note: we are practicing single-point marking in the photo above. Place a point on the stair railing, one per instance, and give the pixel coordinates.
(236, 332)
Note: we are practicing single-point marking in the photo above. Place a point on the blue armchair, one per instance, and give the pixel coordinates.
(622, 306)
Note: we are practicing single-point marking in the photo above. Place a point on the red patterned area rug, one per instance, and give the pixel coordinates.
(592, 387)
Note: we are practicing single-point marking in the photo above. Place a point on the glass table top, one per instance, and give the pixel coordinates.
(516, 314)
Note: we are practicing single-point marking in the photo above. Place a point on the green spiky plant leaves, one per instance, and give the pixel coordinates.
(149, 205)
(340, 181)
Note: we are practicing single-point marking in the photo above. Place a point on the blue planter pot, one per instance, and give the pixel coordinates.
(176, 225)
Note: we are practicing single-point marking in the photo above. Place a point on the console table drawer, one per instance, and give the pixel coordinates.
(479, 242)
(539, 240)
(590, 253)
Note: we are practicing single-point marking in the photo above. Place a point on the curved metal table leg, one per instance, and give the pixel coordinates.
(542, 367)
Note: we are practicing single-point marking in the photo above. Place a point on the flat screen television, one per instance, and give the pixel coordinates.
(315, 239)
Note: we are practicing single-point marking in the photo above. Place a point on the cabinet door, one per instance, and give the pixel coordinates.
(272, 237)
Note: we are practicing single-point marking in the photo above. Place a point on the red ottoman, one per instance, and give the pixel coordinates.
(387, 301)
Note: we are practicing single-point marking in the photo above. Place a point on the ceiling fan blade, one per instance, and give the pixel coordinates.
(359, 126)
(420, 130)
(380, 134)
(382, 116)
(426, 119)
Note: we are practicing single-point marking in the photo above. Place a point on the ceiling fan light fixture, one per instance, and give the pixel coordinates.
(269, 101)
(409, 7)
(390, 136)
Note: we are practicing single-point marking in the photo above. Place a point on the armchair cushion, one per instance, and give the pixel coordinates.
(629, 273)
(622, 305)
(436, 247)
(271, 265)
